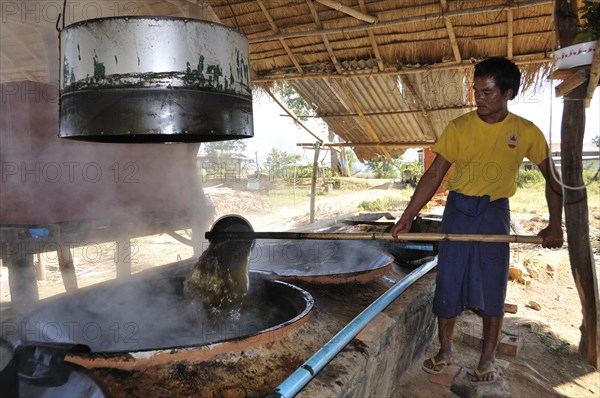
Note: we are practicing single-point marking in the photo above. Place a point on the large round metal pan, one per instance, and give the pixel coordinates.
(320, 261)
(147, 316)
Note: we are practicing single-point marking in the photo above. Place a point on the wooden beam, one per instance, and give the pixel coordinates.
(259, 53)
(364, 122)
(451, 34)
(510, 33)
(594, 76)
(315, 16)
(401, 21)
(575, 201)
(563, 74)
(410, 144)
(571, 83)
(281, 40)
(406, 83)
(291, 114)
(523, 59)
(348, 10)
(329, 84)
(388, 113)
(372, 40)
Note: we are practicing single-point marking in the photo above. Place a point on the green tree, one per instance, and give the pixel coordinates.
(282, 157)
(351, 158)
(383, 168)
(293, 101)
(218, 148)
(596, 140)
(283, 165)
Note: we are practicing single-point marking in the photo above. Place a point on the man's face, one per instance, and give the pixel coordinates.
(492, 105)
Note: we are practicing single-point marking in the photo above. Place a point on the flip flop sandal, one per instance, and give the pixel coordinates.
(434, 363)
(479, 375)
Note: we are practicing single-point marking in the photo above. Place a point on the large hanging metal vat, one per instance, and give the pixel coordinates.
(154, 79)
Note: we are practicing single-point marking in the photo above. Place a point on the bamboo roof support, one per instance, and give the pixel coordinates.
(510, 33)
(365, 123)
(528, 59)
(402, 145)
(328, 83)
(289, 112)
(281, 40)
(387, 113)
(406, 83)
(401, 21)
(348, 10)
(451, 34)
(372, 40)
(317, 20)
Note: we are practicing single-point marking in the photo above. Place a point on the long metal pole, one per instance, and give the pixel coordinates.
(297, 380)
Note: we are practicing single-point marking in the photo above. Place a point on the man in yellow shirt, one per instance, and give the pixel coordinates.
(486, 147)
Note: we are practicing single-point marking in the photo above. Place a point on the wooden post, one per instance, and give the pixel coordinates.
(344, 163)
(313, 185)
(67, 268)
(123, 258)
(40, 266)
(21, 277)
(575, 199)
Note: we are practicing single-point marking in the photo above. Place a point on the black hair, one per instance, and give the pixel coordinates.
(504, 72)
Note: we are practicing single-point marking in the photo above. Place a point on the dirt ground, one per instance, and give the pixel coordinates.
(547, 319)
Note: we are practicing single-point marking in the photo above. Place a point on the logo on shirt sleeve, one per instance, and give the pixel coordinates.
(513, 139)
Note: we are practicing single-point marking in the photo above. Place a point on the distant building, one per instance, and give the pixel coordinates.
(229, 166)
(590, 157)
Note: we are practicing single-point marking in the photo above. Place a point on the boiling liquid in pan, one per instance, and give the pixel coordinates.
(219, 280)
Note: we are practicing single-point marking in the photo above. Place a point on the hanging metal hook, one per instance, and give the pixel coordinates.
(61, 16)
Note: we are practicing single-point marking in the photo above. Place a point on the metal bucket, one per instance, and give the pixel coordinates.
(154, 79)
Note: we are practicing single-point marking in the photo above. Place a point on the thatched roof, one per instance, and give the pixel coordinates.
(385, 75)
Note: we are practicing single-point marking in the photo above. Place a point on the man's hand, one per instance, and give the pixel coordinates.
(553, 237)
(552, 234)
(403, 225)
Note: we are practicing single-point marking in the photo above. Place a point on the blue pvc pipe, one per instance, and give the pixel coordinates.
(297, 380)
(427, 247)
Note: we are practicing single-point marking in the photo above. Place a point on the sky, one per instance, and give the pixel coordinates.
(274, 129)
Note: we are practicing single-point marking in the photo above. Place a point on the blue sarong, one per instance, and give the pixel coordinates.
(472, 274)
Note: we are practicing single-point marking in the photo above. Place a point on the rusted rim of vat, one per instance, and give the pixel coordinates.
(300, 303)
(350, 277)
(147, 358)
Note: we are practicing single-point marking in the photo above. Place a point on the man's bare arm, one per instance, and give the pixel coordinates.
(426, 188)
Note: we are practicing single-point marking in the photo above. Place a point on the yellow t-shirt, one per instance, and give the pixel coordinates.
(487, 157)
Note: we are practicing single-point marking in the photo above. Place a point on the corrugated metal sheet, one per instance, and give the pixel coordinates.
(392, 112)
